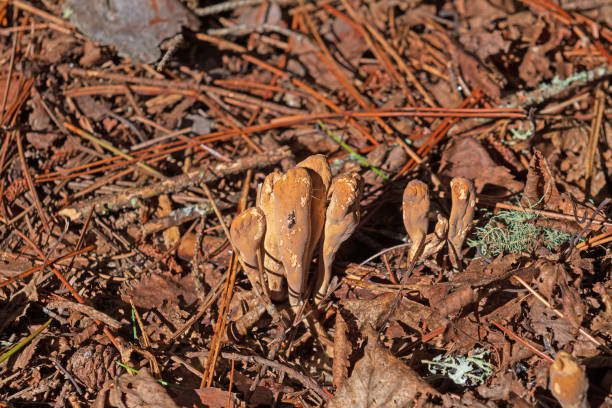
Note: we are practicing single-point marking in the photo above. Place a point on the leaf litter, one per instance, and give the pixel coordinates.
(438, 124)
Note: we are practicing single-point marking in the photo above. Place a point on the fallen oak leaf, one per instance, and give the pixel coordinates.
(380, 379)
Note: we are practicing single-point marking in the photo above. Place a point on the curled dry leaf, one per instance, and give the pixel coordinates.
(568, 382)
(342, 217)
(461, 216)
(467, 158)
(415, 207)
(139, 391)
(247, 232)
(291, 227)
(380, 380)
(540, 188)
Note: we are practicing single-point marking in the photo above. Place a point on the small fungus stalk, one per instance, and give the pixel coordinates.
(342, 217)
(415, 207)
(461, 216)
(247, 232)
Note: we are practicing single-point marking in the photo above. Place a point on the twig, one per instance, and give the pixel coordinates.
(23, 274)
(523, 342)
(86, 310)
(558, 313)
(304, 380)
(28, 178)
(598, 110)
(210, 298)
(68, 375)
(131, 197)
(25, 341)
(113, 149)
(234, 4)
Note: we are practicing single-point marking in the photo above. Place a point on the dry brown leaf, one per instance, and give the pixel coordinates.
(135, 28)
(372, 311)
(540, 188)
(380, 380)
(467, 158)
(139, 391)
(154, 290)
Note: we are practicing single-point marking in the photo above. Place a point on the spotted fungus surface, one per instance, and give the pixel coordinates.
(302, 214)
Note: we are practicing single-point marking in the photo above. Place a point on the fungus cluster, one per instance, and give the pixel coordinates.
(299, 214)
(454, 231)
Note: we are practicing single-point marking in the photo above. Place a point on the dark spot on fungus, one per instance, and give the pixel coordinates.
(291, 220)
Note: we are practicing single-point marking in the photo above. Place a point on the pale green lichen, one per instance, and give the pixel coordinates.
(463, 370)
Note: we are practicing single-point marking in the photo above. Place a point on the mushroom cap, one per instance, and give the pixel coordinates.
(343, 211)
(247, 232)
(319, 164)
(291, 227)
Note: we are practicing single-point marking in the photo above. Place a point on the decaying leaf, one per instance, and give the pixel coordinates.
(381, 380)
(372, 311)
(155, 290)
(136, 28)
(540, 189)
(467, 158)
(139, 391)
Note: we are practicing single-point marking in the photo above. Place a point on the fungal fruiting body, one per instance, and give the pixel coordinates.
(415, 207)
(342, 217)
(461, 216)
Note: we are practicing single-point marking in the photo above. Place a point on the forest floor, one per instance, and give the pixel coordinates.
(467, 226)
